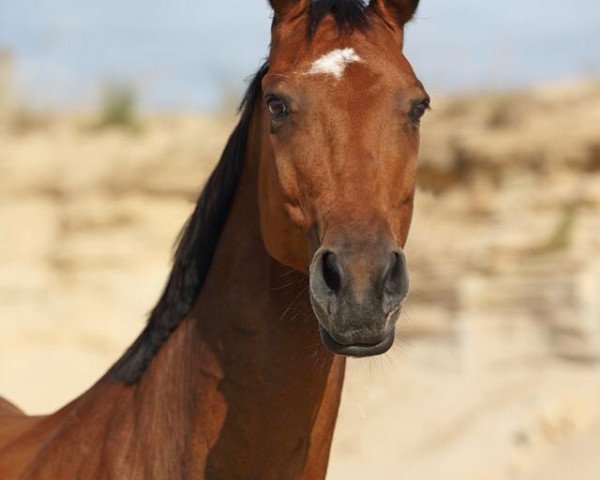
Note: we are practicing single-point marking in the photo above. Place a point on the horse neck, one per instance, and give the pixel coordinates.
(243, 384)
(253, 373)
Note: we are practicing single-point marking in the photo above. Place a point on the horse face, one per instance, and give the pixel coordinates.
(338, 173)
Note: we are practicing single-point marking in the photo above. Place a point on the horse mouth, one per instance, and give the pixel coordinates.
(358, 350)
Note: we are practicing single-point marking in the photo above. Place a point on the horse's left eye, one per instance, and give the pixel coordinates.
(418, 109)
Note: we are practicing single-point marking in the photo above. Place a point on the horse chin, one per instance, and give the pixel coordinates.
(357, 350)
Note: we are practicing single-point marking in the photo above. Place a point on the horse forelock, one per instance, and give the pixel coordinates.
(348, 14)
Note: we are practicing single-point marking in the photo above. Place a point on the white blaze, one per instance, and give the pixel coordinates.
(334, 63)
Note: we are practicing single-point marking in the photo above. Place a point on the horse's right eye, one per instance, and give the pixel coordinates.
(278, 109)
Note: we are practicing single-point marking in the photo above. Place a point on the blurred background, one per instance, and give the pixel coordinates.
(112, 114)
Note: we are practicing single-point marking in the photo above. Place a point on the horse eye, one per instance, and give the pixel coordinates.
(418, 109)
(277, 108)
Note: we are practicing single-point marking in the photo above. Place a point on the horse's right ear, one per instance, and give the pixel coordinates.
(398, 12)
(281, 7)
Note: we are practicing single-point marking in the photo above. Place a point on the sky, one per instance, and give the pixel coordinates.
(191, 54)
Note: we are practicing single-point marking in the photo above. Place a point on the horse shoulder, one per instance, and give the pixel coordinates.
(9, 409)
(15, 451)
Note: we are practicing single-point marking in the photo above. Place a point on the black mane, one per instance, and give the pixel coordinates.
(200, 236)
(197, 243)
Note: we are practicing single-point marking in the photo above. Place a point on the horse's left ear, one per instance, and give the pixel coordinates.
(281, 7)
(399, 12)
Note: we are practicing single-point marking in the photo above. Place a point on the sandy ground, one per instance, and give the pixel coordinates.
(87, 221)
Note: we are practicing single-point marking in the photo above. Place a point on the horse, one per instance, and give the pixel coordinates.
(292, 261)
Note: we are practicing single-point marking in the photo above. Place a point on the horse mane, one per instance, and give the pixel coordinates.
(196, 246)
(198, 240)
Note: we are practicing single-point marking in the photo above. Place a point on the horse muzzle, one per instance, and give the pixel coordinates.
(357, 297)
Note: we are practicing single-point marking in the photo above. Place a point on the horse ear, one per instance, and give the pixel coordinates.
(281, 7)
(398, 12)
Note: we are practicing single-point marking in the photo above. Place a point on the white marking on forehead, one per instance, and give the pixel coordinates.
(334, 63)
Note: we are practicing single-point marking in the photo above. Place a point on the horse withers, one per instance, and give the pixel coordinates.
(292, 260)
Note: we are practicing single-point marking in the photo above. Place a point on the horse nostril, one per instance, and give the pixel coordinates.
(392, 273)
(332, 274)
(395, 276)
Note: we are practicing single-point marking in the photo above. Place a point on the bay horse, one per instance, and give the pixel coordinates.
(292, 261)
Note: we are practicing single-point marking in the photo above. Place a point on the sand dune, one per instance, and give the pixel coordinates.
(496, 372)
